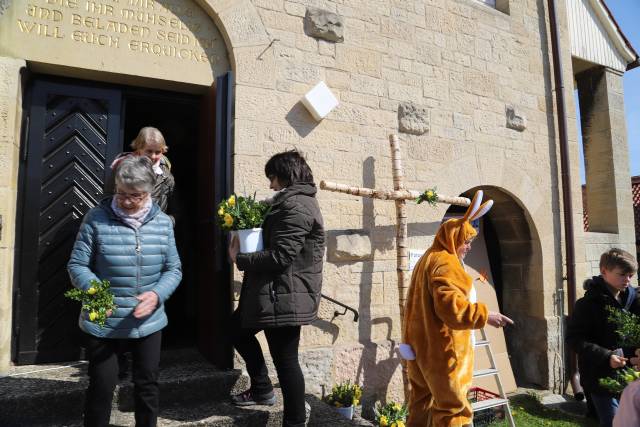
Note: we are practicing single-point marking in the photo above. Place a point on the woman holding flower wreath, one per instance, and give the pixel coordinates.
(128, 241)
(281, 286)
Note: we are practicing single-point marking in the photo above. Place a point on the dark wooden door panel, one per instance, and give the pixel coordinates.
(74, 135)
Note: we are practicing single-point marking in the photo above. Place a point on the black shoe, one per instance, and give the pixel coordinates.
(248, 398)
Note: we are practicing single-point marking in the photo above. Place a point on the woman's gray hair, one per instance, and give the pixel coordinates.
(136, 172)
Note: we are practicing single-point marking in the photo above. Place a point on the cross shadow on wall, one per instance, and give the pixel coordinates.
(379, 362)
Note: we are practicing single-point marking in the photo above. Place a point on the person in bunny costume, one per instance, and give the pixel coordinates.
(438, 320)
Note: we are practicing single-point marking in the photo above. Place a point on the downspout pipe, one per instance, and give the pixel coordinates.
(570, 258)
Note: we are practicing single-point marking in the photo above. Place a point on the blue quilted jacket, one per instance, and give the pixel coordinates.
(134, 261)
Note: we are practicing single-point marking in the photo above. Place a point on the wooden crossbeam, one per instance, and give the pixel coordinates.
(399, 195)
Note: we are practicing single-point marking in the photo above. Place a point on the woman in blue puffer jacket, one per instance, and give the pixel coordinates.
(129, 241)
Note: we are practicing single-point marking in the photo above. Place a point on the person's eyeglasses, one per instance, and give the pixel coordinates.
(136, 197)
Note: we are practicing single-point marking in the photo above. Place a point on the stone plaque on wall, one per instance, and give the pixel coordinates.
(165, 39)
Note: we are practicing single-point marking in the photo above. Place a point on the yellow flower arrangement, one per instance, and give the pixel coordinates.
(344, 395)
(97, 300)
(391, 414)
(241, 213)
(430, 196)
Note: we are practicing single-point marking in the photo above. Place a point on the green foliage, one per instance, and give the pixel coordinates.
(391, 415)
(344, 395)
(627, 326)
(430, 196)
(622, 378)
(97, 300)
(241, 213)
(529, 412)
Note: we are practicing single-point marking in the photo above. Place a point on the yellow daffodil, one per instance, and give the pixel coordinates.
(400, 423)
(430, 194)
(221, 211)
(232, 200)
(93, 316)
(394, 424)
(92, 290)
(228, 220)
(383, 421)
(356, 402)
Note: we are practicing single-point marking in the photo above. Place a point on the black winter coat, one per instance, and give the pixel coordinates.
(592, 336)
(282, 283)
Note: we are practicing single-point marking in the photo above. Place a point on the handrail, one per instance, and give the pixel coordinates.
(345, 306)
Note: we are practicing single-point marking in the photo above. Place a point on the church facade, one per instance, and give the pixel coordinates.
(467, 85)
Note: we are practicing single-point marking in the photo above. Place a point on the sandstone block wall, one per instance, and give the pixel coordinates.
(10, 118)
(480, 78)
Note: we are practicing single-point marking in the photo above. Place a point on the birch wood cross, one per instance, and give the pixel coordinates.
(400, 195)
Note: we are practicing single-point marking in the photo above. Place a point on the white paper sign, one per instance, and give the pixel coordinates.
(414, 256)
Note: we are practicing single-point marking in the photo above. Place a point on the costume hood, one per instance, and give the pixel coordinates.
(454, 232)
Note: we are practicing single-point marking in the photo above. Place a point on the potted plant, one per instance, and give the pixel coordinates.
(243, 215)
(391, 415)
(344, 397)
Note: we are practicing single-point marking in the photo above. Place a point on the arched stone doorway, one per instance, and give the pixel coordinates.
(515, 258)
(130, 45)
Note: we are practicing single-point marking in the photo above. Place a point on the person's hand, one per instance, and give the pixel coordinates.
(148, 303)
(616, 361)
(498, 320)
(234, 248)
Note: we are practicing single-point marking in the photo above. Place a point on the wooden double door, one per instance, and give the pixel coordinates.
(73, 131)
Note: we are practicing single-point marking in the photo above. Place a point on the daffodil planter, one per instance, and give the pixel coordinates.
(346, 412)
(250, 240)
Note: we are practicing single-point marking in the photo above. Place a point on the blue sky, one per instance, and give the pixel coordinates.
(627, 14)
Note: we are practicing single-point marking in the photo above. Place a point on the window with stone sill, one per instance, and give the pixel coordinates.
(501, 5)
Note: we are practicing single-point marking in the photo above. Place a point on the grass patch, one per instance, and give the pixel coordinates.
(529, 412)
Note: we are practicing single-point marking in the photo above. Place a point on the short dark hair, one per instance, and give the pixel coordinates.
(616, 257)
(289, 167)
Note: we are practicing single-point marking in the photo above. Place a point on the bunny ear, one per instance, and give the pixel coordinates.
(473, 207)
(483, 210)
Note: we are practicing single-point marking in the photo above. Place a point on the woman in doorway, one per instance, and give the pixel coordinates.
(150, 143)
(281, 286)
(129, 241)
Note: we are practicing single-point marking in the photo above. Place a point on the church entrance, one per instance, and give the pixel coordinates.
(74, 130)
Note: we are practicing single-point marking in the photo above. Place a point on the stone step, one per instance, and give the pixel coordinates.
(33, 392)
(218, 414)
(192, 393)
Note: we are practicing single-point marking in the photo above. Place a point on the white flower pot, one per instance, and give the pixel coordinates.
(250, 240)
(346, 412)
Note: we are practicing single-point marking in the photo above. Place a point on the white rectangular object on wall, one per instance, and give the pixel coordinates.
(414, 257)
(320, 101)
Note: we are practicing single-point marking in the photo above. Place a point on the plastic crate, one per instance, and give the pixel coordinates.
(486, 416)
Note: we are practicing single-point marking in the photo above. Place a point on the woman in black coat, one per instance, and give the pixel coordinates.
(281, 286)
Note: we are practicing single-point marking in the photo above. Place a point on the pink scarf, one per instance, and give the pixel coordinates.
(133, 220)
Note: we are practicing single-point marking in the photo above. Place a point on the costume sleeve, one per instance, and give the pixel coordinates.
(577, 337)
(287, 237)
(451, 304)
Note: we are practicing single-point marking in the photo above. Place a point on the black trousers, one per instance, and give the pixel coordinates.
(283, 346)
(103, 378)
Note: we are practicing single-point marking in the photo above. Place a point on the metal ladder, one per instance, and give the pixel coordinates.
(492, 371)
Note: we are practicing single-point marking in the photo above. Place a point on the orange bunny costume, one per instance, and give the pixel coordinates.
(438, 321)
